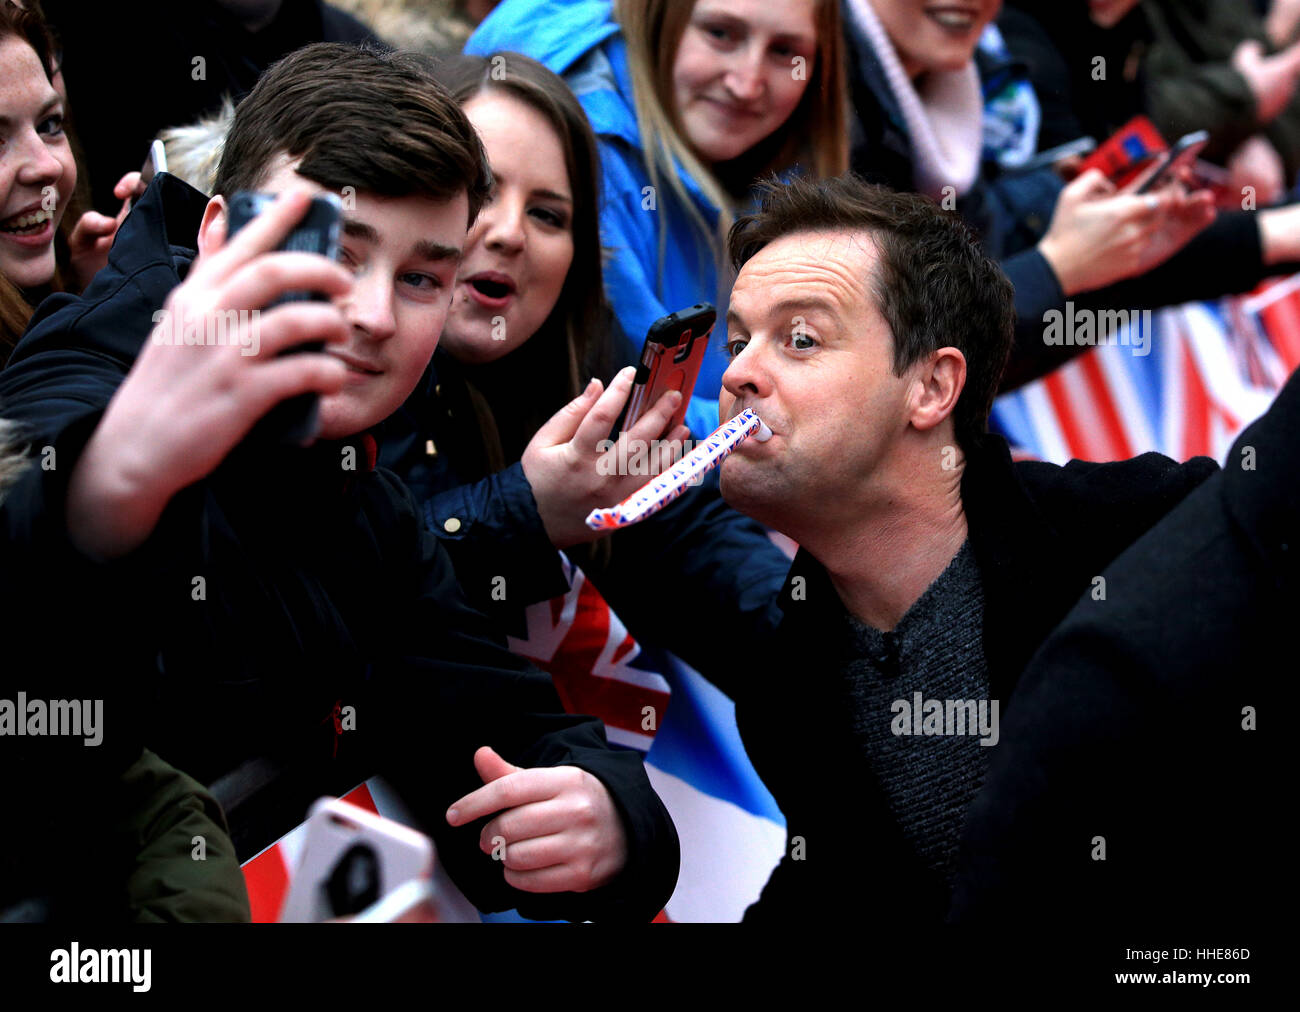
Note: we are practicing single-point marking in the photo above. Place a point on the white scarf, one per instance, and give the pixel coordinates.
(945, 121)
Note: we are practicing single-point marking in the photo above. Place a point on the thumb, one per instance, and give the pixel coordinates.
(563, 425)
(491, 766)
(1090, 184)
(1248, 49)
(97, 224)
(127, 186)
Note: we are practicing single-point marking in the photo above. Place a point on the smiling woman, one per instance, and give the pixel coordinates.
(691, 102)
(935, 35)
(37, 170)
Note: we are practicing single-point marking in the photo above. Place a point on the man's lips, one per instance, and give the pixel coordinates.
(765, 431)
(356, 365)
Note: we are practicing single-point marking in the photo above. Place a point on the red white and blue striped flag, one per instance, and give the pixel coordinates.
(1212, 369)
(732, 833)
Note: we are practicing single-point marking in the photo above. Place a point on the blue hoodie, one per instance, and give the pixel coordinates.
(581, 41)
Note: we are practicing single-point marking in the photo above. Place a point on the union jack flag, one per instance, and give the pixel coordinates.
(1213, 368)
(732, 833)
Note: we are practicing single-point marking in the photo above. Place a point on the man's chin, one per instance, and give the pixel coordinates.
(340, 420)
(745, 489)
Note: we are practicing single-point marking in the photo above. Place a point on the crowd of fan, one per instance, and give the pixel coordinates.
(609, 158)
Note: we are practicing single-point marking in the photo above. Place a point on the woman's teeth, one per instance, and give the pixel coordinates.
(33, 221)
(960, 20)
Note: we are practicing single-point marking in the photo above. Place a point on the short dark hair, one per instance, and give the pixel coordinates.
(356, 116)
(933, 284)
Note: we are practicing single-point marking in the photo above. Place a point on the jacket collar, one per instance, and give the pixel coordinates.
(164, 223)
(1015, 546)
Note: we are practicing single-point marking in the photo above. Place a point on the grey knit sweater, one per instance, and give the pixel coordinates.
(936, 650)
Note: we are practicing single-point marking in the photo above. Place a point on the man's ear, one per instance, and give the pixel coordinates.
(212, 231)
(939, 382)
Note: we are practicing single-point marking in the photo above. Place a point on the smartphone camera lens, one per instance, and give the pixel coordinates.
(354, 883)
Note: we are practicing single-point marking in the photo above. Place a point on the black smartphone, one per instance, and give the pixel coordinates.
(1184, 152)
(294, 421)
(1046, 159)
(671, 357)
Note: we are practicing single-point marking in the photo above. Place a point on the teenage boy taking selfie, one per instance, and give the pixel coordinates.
(269, 583)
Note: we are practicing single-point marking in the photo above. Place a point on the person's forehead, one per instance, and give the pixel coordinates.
(433, 230)
(793, 19)
(22, 78)
(832, 270)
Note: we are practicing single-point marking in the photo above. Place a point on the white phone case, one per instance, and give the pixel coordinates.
(393, 853)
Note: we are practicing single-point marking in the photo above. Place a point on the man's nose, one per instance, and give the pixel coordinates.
(745, 377)
(370, 306)
(37, 165)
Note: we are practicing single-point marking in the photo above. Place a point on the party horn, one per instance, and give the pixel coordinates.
(651, 498)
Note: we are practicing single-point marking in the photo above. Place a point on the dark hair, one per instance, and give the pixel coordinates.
(932, 284)
(573, 340)
(356, 116)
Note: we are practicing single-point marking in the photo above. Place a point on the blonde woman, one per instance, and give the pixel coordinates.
(691, 103)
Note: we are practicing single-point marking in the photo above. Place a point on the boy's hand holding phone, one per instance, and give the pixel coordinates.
(573, 468)
(183, 407)
(557, 831)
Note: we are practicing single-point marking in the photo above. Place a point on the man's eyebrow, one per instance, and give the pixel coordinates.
(50, 103)
(807, 304)
(424, 249)
(359, 230)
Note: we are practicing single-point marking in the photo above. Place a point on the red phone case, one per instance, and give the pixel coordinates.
(1127, 152)
(667, 367)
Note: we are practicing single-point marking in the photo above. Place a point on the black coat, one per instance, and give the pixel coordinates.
(133, 70)
(1040, 533)
(1131, 724)
(320, 587)
(696, 558)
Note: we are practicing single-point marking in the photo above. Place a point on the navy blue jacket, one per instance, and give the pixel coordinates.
(319, 586)
(698, 578)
